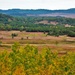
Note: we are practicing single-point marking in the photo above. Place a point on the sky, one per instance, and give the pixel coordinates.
(37, 4)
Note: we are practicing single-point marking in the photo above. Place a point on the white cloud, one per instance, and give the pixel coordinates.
(36, 4)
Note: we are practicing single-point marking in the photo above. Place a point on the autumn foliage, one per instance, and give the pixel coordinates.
(27, 60)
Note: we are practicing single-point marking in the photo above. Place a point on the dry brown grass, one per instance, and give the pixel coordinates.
(38, 39)
(46, 22)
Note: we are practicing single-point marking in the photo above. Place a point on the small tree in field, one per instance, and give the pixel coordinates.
(14, 35)
(27, 37)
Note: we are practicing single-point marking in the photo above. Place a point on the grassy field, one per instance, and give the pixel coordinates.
(38, 39)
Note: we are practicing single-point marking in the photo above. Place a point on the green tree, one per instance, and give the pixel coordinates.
(14, 35)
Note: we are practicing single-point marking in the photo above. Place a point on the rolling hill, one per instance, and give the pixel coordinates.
(40, 12)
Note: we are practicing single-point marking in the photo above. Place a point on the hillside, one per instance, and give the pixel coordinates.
(52, 25)
(5, 19)
(40, 12)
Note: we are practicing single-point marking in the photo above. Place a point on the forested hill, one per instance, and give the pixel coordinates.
(54, 26)
(5, 19)
(37, 12)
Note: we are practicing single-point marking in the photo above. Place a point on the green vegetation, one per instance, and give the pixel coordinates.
(32, 24)
(14, 35)
(27, 60)
(0, 43)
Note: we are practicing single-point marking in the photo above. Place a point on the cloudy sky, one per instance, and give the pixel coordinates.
(37, 4)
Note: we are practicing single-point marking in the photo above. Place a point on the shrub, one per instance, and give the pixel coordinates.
(14, 35)
(28, 61)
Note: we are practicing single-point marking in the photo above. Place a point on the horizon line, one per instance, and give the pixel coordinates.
(35, 9)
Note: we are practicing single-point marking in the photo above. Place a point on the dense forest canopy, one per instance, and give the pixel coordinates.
(55, 25)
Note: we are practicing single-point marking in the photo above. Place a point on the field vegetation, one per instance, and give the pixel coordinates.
(28, 60)
(38, 39)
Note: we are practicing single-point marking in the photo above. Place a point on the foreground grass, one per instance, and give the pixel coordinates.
(27, 60)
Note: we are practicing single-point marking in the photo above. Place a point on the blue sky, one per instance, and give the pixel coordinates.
(37, 4)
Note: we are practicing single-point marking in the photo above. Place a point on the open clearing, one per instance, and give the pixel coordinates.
(39, 39)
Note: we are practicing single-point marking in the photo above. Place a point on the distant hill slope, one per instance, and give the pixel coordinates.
(6, 18)
(39, 12)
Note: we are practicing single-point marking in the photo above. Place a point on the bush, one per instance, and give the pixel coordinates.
(28, 61)
(14, 35)
(0, 43)
(71, 34)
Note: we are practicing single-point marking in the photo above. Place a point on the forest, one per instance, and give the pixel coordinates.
(62, 26)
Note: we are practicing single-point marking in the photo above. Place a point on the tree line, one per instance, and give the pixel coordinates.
(29, 24)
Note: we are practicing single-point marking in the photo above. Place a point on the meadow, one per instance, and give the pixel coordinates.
(39, 39)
